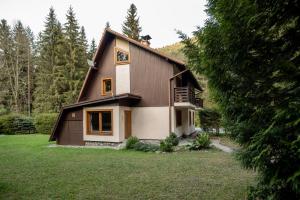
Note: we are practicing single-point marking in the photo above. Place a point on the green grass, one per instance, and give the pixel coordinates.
(31, 170)
(227, 141)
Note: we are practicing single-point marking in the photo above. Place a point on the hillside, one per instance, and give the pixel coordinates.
(174, 50)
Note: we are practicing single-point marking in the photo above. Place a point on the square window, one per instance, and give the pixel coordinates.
(100, 122)
(121, 56)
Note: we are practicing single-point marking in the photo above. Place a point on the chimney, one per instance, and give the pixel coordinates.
(145, 40)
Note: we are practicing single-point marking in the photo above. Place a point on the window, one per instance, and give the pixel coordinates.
(190, 118)
(121, 56)
(178, 118)
(99, 122)
(106, 86)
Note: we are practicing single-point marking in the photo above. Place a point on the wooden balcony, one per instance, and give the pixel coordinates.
(184, 96)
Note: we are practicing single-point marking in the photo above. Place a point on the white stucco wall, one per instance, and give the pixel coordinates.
(150, 122)
(122, 79)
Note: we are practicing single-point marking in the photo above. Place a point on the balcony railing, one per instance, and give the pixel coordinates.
(187, 95)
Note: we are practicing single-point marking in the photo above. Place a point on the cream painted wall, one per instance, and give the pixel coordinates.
(150, 122)
(122, 44)
(116, 124)
(122, 79)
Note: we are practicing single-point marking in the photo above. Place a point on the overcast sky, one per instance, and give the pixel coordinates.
(158, 18)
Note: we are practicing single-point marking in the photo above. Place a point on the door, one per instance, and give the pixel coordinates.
(127, 122)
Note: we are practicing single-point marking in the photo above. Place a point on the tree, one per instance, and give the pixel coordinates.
(48, 94)
(76, 57)
(92, 50)
(131, 26)
(249, 51)
(107, 25)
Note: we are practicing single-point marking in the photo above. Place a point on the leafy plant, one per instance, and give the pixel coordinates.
(44, 122)
(201, 142)
(173, 139)
(131, 141)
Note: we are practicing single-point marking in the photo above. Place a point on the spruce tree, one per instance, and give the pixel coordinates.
(76, 57)
(48, 94)
(107, 25)
(249, 51)
(131, 26)
(92, 49)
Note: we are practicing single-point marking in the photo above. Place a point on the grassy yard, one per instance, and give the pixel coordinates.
(31, 170)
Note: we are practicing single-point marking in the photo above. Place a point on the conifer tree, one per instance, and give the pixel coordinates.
(76, 57)
(131, 26)
(107, 25)
(50, 61)
(92, 49)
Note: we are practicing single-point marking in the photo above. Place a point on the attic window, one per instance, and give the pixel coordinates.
(106, 86)
(121, 56)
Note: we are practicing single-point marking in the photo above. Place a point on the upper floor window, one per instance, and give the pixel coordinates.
(121, 56)
(106, 86)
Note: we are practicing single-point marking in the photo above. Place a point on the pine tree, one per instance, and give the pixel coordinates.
(92, 49)
(131, 26)
(107, 25)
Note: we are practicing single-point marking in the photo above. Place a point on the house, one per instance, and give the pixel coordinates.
(132, 90)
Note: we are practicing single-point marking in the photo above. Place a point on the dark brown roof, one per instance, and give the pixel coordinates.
(90, 103)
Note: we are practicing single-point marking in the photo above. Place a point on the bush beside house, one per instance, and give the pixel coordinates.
(44, 122)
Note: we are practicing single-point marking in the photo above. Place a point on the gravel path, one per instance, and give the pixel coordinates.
(216, 143)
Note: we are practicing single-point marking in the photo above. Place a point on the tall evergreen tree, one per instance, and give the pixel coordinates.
(252, 61)
(48, 94)
(131, 26)
(107, 25)
(92, 49)
(76, 57)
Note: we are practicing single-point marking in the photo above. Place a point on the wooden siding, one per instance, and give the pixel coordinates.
(71, 128)
(150, 75)
(106, 69)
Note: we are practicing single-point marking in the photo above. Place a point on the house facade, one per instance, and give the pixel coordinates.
(132, 90)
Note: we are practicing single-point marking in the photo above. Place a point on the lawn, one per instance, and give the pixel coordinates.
(29, 169)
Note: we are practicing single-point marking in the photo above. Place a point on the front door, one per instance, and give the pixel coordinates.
(127, 125)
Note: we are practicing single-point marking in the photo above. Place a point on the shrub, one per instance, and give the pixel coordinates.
(145, 147)
(173, 139)
(16, 124)
(201, 142)
(166, 146)
(44, 122)
(131, 141)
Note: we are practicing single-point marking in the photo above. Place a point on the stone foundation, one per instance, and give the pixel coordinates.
(97, 143)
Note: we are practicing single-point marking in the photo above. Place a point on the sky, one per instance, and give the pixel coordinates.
(158, 18)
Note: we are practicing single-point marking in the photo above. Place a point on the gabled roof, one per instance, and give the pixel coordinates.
(110, 33)
(125, 96)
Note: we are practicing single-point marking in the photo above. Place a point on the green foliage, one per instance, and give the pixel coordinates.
(145, 147)
(249, 51)
(201, 141)
(166, 146)
(16, 124)
(173, 139)
(44, 122)
(131, 26)
(131, 141)
(209, 118)
(3, 110)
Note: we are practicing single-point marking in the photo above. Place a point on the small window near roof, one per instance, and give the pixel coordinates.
(121, 56)
(106, 86)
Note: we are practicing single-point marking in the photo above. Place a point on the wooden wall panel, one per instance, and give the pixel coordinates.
(106, 69)
(149, 77)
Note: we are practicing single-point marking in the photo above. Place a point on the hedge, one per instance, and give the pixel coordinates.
(11, 124)
(44, 122)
